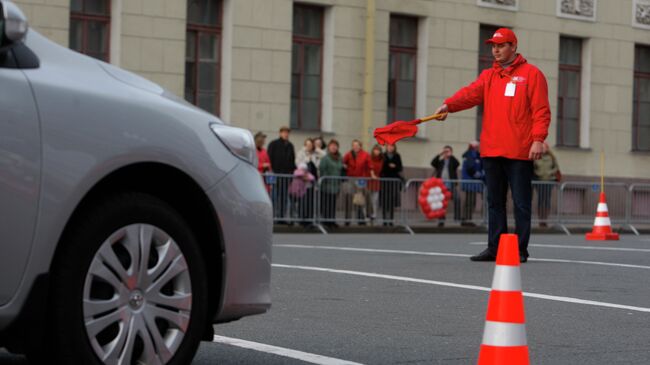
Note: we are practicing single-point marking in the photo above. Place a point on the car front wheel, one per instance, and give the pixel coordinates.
(129, 286)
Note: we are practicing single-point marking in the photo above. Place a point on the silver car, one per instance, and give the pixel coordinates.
(130, 221)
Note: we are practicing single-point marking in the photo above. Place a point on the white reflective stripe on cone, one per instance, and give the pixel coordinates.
(504, 334)
(602, 207)
(602, 221)
(506, 278)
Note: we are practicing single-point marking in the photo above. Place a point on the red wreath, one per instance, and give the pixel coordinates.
(434, 198)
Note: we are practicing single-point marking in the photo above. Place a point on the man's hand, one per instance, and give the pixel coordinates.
(536, 151)
(442, 109)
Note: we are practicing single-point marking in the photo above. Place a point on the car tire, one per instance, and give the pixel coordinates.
(157, 302)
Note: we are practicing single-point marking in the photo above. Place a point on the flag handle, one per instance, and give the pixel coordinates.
(432, 117)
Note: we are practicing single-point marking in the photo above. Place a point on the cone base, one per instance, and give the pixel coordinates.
(593, 236)
(493, 355)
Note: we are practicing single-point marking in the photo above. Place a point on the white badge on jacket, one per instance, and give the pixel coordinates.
(510, 89)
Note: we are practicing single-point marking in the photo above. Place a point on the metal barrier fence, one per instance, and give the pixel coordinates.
(334, 200)
(467, 205)
(638, 206)
(545, 208)
(579, 201)
(293, 197)
(361, 201)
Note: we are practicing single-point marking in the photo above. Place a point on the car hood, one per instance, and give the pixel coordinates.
(130, 78)
(97, 73)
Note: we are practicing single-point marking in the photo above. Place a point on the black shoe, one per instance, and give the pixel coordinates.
(486, 255)
(523, 256)
(441, 224)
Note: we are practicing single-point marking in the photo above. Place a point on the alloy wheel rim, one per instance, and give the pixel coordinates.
(137, 297)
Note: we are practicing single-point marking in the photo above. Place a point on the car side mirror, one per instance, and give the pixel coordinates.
(14, 22)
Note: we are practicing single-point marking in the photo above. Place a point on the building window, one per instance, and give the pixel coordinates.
(90, 24)
(568, 94)
(485, 61)
(203, 54)
(641, 100)
(402, 61)
(306, 67)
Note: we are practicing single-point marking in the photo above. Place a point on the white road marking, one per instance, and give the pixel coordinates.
(624, 249)
(464, 286)
(337, 248)
(631, 266)
(444, 254)
(281, 351)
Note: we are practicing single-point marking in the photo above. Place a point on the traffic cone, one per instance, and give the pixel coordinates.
(602, 230)
(504, 337)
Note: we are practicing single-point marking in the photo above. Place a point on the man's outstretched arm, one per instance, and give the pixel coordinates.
(465, 98)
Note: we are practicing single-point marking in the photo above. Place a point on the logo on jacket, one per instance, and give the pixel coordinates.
(518, 79)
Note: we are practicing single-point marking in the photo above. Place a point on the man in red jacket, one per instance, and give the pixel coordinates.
(357, 161)
(357, 164)
(516, 117)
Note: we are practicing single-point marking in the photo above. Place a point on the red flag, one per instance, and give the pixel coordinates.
(396, 131)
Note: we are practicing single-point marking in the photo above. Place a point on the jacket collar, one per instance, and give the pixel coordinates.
(519, 60)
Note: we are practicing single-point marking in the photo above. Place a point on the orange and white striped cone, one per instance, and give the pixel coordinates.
(504, 337)
(602, 230)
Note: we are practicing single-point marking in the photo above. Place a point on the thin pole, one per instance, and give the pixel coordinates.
(602, 171)
(369, 76)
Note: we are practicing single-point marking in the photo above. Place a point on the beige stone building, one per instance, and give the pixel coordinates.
(340, 68)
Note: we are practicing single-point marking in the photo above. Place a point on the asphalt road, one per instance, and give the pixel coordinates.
(400, 299)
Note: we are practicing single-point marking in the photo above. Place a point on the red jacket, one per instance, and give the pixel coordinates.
(359, 166)
(510, 123)
(262, 158)
(376, 165)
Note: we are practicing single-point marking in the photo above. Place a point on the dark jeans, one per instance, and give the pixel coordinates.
(500, 173)
(388, 211)
(359, 209)
(303, 207)
(544, 193)
(470, 204)
(328, 206)
(307, 205)
(280, 194)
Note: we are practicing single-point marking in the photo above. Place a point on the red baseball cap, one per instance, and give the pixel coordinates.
(503, 35)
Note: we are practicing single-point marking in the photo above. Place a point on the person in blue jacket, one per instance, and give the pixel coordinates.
(472, 169)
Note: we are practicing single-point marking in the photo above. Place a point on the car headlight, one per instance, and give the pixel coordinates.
(239, 141)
